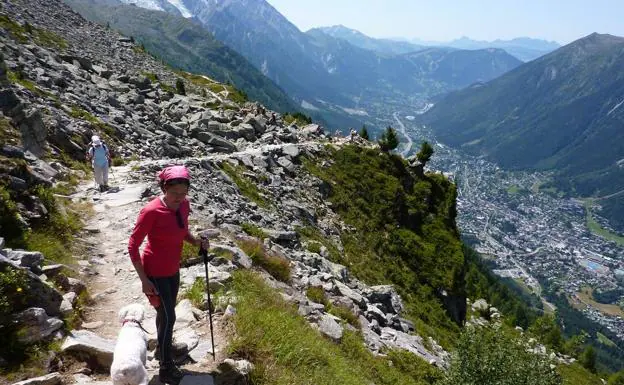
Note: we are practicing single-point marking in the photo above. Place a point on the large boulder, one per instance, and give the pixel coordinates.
(37, 292)
(29, 259)
(329, 327)
(387, 296)
(35, 325)
(91, 348)
(218, 143)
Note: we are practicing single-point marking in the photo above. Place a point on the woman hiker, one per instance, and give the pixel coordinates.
(164, 221)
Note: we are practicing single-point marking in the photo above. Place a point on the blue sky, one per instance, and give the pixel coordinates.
(559, 20)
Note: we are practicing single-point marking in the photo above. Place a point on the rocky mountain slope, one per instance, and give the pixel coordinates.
(331, 77)
(65, 79)
(333, 262)
(561, 112)
(186, 45)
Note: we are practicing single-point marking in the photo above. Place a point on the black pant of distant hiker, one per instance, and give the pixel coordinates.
(167, 288)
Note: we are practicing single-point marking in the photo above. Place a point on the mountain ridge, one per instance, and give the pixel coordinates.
(561, 105)
(325, 75)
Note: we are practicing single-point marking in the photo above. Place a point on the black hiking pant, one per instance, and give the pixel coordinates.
(165, 315)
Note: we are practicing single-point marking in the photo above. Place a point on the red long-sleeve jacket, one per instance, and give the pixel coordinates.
(161, 255)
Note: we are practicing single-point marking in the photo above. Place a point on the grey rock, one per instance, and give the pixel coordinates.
(329, 327)
(291, 150)
(89, 347)
(357, 298)
(286, 164)
(36, 325)
(218, 143)
(239, 258)
(34, 132)
(387, 296)
(374, 313)
(28, 259)
(49, 379)
(12, 151)
(184, 314)
(281, 235)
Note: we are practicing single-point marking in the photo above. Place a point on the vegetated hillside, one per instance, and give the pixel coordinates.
(186, 45)
(561, 112)
(358, 39)
(329, 76)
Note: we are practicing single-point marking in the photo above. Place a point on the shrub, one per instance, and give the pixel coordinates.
(314, 247)
(316, 294)
(489, 356)
(278, 267)
(13, 287)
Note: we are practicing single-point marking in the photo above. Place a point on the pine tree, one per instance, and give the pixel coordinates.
(180, 89)
(364, 132)
(425, 153)
(588, 359)
(389, 140)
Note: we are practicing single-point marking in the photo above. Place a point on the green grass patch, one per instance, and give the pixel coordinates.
(196, 292)
(595, 227)
(513, 190)
(253, 230)
(605, 340)
(246, 186)
(317, 294)
(22, 34)
(313, 235)
(575, 374)
(19, 78)
(314, 247)
(189, 251)
(151, 76)
(345, 314)
(286, 350)
(278, 267)
(79, 113)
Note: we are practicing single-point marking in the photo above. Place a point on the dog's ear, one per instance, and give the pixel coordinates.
(122, 313)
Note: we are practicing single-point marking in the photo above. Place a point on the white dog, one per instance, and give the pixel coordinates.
(128, 366)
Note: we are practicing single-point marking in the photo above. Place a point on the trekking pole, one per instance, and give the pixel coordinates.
(204, 254)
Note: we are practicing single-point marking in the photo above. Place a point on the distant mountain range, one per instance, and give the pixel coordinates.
(562, 112)
(330, 77)
(523, 48)
(358, 39)
(186, 45)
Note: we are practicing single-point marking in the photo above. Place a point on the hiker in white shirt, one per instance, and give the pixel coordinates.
(100, 158)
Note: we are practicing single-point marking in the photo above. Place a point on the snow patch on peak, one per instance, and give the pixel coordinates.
(149, 4)
(181, 7)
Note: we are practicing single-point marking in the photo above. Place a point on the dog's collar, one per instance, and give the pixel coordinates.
(135, 322)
